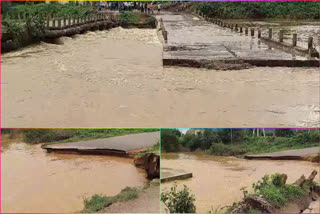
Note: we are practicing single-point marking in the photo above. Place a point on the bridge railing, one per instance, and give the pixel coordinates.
(55, 23)
(276, 38)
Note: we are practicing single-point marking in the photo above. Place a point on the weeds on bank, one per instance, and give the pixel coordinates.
(155, 149)
(179, 201)
(34, 136)
(98, 202)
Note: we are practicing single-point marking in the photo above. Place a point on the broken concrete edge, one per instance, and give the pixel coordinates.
(196, 63)
(95, 151)
(176, 177)
(289, 48)
(150, 162)
(163, 30)
(311, 157)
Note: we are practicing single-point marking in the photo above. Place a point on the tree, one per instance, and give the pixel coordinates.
(170, 139)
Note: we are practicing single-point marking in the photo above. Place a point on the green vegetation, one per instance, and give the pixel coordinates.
(155, 149)
(34, 136)
(238, 141)
(179, 201)
(98, 202)
(266, 9)
(127, 18)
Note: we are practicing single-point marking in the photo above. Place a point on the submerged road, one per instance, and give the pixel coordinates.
(191, 38)
(125, 143)
(288, 154)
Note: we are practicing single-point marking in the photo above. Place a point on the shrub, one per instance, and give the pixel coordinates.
(226, 150)
(179, 201)
(127, 18)
(34, 136)
(169, 140)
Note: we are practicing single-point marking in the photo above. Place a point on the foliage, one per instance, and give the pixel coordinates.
(266, 9)
(36, 27)
(127, 18)
(55, 9)
(179, 201)
(99, 202)
(71, 135)
(155, 148)
(243, 141)
(170, 140)
(226, 150)
(270, 188)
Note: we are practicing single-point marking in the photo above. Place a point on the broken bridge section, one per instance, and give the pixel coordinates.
(194, 42)
(119, 146)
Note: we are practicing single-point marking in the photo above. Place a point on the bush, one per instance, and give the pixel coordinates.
(179, 201)
(34, 136)
(226, 150)
(244, 9)
(127, 18)
(170, 140)
(276, 193)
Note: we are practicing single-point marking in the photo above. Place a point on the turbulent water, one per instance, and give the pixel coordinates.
(116, 79)
(217, 181)
(35, 181)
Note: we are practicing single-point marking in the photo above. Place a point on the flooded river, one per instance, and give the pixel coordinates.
(116, 79)
(35, 181)
(217, 181)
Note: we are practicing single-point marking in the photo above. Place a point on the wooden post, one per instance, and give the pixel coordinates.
(241, 30)
(310, 43)
(270, 33)
(281, 36)
(64, 21)
(246, 30)
(69, 21)
(259, 33)
(54, 22)
(78, 20)
(294, 39)
(236, 27)
(252, 31)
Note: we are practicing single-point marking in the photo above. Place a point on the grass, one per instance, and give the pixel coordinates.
(256, 145)
(155, 149)
(278, 195)
(53, 136)
(98, 202)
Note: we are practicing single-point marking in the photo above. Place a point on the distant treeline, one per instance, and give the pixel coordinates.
(237, 141)
(264, 9)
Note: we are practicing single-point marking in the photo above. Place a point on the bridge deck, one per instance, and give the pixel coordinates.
(122, 144)
(190, 38)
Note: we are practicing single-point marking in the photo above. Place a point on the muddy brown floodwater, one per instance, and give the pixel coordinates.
(116, 79)
(217, 181)
(35, 181)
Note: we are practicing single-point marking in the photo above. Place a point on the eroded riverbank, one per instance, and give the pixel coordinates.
(59, 182)
(115, 79)
(217, 181)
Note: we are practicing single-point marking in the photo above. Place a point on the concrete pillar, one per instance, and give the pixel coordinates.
(270, 33)
(48, 21)
(236, 27)
(241, 30)
(252, 31)
(54, 23)
(281, 35)
(294, 39)
(246, 30)
(64, 21)
(259, 33)
(310, 43)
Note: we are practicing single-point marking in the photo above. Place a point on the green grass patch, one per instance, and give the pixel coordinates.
(155, 149)
(53, 136)
(98, 202)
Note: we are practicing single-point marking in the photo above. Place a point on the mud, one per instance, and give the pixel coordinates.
(116, 79)
(217, 181)
(58, 183)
